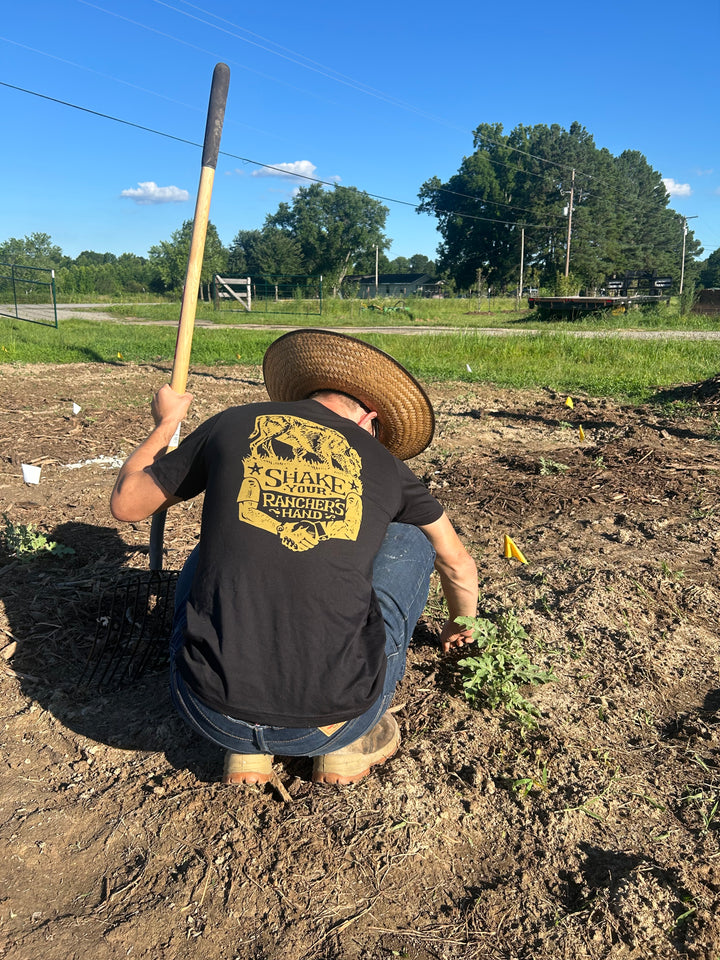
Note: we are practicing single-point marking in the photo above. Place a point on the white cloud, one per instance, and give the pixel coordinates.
(677, 189)
(148, 192)
(296, 169)
(705, 173)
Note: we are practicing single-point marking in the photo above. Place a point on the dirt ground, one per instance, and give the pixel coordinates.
(120, 842)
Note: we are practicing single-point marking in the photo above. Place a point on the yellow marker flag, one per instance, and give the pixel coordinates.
(569, 403)
(582, 434)
(506, 547)
(512, 551)
(120, 356)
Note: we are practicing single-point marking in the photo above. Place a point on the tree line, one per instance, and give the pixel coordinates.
(517, 192)
(514, 195)
(332, 233)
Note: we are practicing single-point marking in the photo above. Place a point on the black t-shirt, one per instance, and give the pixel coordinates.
(283, 625)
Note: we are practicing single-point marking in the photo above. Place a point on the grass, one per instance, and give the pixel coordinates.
(610, 366)
(497, 313)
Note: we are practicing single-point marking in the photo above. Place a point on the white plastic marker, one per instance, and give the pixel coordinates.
(76, 409)
(31, 473)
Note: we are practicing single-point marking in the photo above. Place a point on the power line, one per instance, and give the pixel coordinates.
(193, 46)
(126, 83)
(323, 70)
(296, 58)
(330, 74)
(234, 156)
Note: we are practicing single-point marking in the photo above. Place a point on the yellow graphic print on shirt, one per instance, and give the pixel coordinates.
(301, 482)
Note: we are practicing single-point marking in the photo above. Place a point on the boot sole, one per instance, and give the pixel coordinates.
(247, 777)
(343, 780)
(247, 768)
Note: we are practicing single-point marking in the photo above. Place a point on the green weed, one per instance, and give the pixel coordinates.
(550, 467)
(670, 573)
(526, 785)
(501, 667)
(706, 804)
(24, 541)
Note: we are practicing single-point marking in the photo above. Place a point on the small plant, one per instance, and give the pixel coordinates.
(706, 804)
(549, 467)
(526, 785)
(24, 541)
(502, 666)
(670, 573)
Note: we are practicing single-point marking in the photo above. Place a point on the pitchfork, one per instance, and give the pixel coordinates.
(135, 616)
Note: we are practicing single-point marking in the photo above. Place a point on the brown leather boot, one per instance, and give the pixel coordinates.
(350, 764)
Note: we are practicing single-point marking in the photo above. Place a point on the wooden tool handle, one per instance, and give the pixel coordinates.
(183, 343)
(211, 147)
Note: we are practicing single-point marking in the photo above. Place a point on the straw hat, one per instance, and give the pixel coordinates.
(303, 361)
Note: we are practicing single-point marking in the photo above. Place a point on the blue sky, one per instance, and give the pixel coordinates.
(380, 96)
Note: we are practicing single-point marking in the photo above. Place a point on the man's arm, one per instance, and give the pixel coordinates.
(458, 577)
(137, 494)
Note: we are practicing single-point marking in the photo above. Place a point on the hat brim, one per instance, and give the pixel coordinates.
(304, 361)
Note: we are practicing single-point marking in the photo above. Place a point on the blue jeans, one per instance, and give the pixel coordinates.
(401, 579)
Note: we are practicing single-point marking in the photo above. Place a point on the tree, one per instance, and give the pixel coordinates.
(170, 258)
(522, 183)
(35, 250)
(365, 263)
(419, 263)
(90, 258)
(277, 253)
(650, 234)
(134, 273)
(709, 274)
(399, 265)
(242, 261)
(334, 228)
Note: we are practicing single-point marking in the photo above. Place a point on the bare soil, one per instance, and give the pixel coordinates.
(119, 841)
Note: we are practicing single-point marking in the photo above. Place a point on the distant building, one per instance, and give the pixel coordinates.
(396, 285)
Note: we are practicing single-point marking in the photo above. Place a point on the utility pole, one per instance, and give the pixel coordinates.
(522, 258)
(377, 258)
(682, 265)
(570, 211)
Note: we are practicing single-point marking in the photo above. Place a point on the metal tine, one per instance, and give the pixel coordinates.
(131, 636)
(154, 635)
(106, 638)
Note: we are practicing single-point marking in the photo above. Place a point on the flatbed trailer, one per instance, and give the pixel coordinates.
(578, 306)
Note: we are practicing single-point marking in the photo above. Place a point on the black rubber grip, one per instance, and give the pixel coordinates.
(216, 114)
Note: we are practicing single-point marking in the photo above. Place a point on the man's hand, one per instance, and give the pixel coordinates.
(170, 407)
(137, 494)
(453, 635)
(458, 577)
